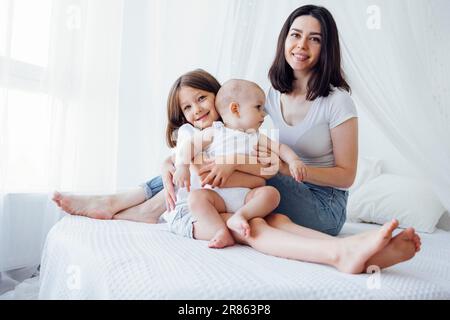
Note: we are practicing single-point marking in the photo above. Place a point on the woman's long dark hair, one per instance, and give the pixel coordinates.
(327, 71)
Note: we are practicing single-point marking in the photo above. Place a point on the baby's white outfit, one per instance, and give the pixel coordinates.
(226, 141)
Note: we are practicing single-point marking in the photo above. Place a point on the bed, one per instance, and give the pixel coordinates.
(93, 259)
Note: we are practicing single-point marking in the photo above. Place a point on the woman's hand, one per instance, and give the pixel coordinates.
(167, 175)
(298, 170)
(215, 174)
(267, 158)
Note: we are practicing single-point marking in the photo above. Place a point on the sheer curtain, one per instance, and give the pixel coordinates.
(170, 38)
(399, 75)
(59, 78)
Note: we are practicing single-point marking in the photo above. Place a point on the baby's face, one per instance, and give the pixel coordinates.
(251, 111)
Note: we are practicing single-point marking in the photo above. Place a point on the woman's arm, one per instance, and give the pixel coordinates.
(345, 149)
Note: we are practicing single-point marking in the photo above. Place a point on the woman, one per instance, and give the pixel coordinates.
(316, 117)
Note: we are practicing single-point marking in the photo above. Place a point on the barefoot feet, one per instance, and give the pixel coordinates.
(96, 207)
(401, 248)
(221, 239)
(354, 251)
(239, 224)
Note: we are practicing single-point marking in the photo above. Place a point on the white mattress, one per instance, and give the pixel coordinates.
(93, 259)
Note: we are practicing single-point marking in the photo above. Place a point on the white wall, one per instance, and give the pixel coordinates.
(135, 108)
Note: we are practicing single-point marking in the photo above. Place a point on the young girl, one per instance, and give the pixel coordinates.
(276, 234)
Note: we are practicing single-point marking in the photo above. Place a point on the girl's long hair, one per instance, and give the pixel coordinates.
(197, 79)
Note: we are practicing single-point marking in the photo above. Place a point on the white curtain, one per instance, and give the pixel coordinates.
(59, 80)
(399, 74)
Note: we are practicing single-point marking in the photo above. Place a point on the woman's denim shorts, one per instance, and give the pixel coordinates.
(320, 208)
(311, 206)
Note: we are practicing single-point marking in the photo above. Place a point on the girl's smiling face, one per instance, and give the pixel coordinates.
(198, 107)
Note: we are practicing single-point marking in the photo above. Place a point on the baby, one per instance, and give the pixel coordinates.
(240, 105)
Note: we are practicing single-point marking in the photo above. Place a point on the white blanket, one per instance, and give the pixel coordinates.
(93, 259)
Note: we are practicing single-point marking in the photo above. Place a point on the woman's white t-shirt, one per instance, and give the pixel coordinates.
(311, 138)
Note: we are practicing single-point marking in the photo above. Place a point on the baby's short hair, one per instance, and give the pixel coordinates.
(234, 90)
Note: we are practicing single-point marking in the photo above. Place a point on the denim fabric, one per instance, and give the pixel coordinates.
(181, 221)
(152, 187)
(312, 206)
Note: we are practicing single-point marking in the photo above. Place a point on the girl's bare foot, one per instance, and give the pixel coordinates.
(239, 224)
(354, 251)
(401, 248)
(221, 239)
(96, 207)
(147, 212)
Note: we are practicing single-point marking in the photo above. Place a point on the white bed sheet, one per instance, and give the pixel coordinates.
(93, 259)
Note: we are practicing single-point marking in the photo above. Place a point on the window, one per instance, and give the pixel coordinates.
(24, 47)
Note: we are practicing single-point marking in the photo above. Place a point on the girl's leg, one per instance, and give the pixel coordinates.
(205, 206)
(348, 255)
(148, 211)
(99, 207)
(259, 202)
(400, 248)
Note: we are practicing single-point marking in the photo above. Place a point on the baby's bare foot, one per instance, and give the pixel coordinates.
(239, 224)
(96, 207)
(356, 250)
(401, 248)
(221, 239)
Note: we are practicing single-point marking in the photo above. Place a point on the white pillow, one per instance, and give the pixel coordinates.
(368, 169)
(412, 202)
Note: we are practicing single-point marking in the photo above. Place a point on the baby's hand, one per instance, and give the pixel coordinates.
(182, 177)
(298, 170)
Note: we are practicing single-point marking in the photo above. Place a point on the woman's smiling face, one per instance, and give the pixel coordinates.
(303, 44)
(198, 106)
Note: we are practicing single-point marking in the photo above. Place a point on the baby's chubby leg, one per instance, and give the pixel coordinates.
(259, 202)
(205, 206)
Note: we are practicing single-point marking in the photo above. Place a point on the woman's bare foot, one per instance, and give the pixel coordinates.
(356, 250)
(96, 207)
(239, 224)
(221, 239)
(401, 248)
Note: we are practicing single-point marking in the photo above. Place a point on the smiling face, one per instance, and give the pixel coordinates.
(198, 107)
(303, 44)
